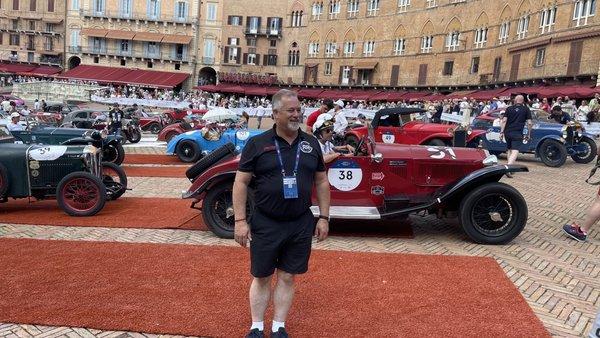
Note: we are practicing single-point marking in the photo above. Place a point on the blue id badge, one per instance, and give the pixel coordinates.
(290, 187)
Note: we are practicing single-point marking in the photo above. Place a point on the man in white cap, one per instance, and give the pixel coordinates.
(339, 128)
(14, 122)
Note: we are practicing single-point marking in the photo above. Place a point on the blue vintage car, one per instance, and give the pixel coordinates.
(551, 142)
(192, 145)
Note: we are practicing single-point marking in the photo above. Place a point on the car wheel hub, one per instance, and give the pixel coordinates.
(496, 217)
(492, 214)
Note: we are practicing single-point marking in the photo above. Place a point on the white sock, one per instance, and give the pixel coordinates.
(258, 325)
(277, 325)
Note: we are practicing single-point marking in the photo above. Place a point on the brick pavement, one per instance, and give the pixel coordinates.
(558, 277)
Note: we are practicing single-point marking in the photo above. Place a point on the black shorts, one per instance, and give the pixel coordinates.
(283, 245)
(513, 140)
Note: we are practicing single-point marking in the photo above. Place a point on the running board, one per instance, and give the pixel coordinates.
(350, 212)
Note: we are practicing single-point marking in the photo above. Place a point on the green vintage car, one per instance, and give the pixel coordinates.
(73, 174)
(112, 150)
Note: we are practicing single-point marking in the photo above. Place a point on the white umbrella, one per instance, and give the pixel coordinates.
(220, 115)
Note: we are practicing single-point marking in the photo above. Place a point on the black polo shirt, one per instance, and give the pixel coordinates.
(516, 116)
(260, 158)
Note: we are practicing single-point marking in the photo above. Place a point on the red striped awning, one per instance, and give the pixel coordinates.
(143, 78)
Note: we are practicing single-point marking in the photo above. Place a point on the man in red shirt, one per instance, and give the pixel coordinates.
(326, 106)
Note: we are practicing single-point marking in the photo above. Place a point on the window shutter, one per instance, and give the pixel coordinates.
(50, 5)
(241, 20)
(229, 20)
(186, 7)
(350, 80)
(248, 23)
(341, 73)
(269, 24)
(238, 59)
(265, 59)
(32, 5)
(279, 23)
(514, 67)
(245, 58)
(259, 19)
(147, 7)
(574, 62)
(422, 74)
(257, 62)
(225, 54)
(394, 77)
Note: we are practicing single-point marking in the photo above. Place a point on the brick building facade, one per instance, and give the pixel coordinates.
(383, 43)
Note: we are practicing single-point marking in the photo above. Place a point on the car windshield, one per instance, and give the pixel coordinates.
(5, 135)
(392, 120)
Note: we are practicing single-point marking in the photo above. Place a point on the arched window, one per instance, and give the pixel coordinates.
(294, 55)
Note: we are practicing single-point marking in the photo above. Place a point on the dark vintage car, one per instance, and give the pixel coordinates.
(393, 125)
(550, 141)
(73, 174)
(98, 120)
(112, 150)
(387, 181)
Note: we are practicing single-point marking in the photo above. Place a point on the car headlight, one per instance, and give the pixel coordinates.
(88, 134)
(564, 132)
(490, 160)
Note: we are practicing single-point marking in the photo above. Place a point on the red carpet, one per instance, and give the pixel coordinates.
(155, 171)
(151, 159)
(202, 291)
(126, 212)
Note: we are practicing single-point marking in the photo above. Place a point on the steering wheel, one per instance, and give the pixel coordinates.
(360, 144)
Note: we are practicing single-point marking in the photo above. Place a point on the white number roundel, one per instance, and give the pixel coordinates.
(345, 175)
(242, 135)
(388, 138)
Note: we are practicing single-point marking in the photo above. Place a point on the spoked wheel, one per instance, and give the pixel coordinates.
(553, 153)
(114, 179)
(217, 209)
(591, 150)
(81, 194)
(493, 213)
(134, 136)
(114, 153)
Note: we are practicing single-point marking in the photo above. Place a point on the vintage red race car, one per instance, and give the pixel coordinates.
(393, 125)
(146, 121)
(178, 115)
(387, 181)
(172, 130)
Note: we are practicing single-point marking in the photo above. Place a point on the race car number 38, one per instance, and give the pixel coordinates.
(345, 175)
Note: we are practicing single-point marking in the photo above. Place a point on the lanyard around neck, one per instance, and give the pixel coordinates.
(281, 159)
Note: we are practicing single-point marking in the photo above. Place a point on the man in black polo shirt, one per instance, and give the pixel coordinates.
(511, 128)
(284, 163)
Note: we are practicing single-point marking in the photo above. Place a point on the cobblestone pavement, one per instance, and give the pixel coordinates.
(559, 277)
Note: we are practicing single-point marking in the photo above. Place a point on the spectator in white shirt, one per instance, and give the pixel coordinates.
(14, 124)
(36, 105)
(341, 123)
(25, 111)
(5, 105)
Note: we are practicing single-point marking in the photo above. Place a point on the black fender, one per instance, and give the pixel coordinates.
(477, 178)
(194, 192)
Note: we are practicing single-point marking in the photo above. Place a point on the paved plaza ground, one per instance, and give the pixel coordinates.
(559, 277)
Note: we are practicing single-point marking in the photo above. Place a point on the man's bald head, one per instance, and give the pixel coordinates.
(519, 99)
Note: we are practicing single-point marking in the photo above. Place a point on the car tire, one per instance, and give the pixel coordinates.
(352, 140)
(505, 202)
(113, 152)
(590, 155)
(4, 184)
(154, 128)
(436, 142)
(188, 151)
(135, 136)
(553, 153)
(110, 171)
(75, 203)
(225, 151)
(217, 209)
(170, 136)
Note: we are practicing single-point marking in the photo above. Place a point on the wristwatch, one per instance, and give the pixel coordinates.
(324, 217)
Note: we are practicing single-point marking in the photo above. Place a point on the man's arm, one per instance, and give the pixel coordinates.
(502, 126)
(240, 191)
(323, 198)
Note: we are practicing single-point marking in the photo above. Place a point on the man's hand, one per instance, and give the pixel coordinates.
(242, 233)
(350, 148)
(322, 229)
(501, 136)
